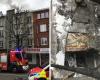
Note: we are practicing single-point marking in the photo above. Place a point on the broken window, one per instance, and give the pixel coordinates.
(70, 60)
(80, 60)
(75, 60)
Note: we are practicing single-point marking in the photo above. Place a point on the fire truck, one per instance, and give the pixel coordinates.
(14, 60)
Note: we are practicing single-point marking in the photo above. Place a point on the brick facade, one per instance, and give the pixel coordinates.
(36, 27)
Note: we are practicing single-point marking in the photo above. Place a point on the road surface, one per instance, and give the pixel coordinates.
(13, 76)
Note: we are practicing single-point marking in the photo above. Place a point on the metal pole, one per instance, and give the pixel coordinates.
(50, 28)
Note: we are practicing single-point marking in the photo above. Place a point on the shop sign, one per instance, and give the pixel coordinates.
(36, 50)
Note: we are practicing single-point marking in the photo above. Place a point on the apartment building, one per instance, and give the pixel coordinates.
(19, 26)
(28, 30)
(39, 54)
(2, 32)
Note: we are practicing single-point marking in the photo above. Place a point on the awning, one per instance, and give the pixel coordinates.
(37, 50)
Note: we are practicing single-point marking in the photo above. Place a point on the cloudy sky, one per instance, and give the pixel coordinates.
(23, 4)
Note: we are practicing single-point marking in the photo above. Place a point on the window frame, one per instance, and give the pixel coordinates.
(43, 28)
(44, 41)
(1, 33)
(39, 16)
(46, 14)
(1, 44)
(43, 15)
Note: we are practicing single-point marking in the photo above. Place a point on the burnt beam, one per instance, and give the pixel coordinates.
(97, 1)
(85, 71)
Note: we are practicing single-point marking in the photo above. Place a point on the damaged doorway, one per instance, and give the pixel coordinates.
(81, 60)
(75, 60)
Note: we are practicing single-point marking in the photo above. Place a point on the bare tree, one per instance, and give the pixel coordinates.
(17, 30)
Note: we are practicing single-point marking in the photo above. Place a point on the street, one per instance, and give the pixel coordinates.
(13, 76)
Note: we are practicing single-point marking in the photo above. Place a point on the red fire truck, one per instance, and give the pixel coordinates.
(15, 60)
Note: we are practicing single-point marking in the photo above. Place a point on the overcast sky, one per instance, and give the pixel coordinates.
(23, 4)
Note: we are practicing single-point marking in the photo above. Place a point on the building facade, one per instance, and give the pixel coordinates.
(39, 54)
(83, 20)
(19, 29)
(2, 33)
(41, 28)
(28, 30)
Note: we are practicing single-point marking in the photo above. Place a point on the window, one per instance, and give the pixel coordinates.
(30, 29)
(70, 60)
(21, 19)
(76, 59)
(1, 33)
(43, 28)
(30, 42)
(80, 59)
(29, 19)
(44, 41)
(38, 16)
(42, 15)
(46, 15)
(1, 44)
(18, 55)
(45, 59)
(29, 56)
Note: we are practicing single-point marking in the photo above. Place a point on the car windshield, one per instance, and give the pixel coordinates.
(24, 55)
(20, 55)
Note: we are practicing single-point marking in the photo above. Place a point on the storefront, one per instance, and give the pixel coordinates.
(37, 56)
(80, 51)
